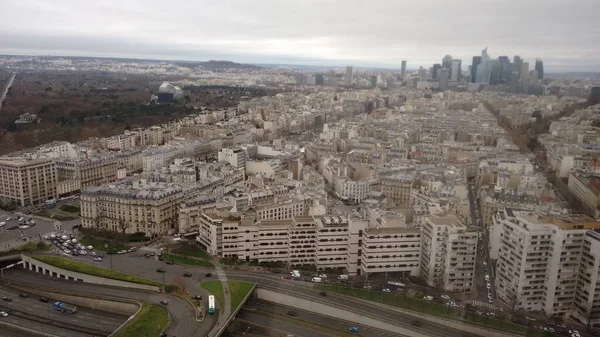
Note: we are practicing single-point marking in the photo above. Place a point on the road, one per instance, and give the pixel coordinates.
(87, 318)
(138, 265)
(296, 330)
(183, 318)
(5, 91)
(255, 309)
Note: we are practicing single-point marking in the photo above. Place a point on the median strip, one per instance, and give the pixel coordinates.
(84, 268)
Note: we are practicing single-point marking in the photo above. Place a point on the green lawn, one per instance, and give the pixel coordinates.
(215, 288)
(187, 261)
(397, 299)
(98, 244)
(150, 322)
(55, 216)
(238, 290)
(69, 209)
(27, 248)
(192, 250)
(85, 268)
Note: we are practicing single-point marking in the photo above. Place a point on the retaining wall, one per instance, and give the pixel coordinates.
(47, 269)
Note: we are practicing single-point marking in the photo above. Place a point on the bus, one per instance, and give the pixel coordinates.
(211, 304)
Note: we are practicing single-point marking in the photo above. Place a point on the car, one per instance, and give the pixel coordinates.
(122, 252)
(428, 298)
(44, 299)
(8, 219)
(67, 251)
(488, 286)
(291, 313)
(98, 259)
(198, 297)
(12, 227)
(170, 262)
(445, 297)
(322, 293)
(187, 274)
(323, 276)
(386, 290)
(164, 334)
(353, 329)
(490, 300)
(3, 314)
(93, 254)
(415, 323)
(132, 249)
(208, 274)
(160, 270)
(164, 302)
(23, 295)
(7, 299)
(147, 255)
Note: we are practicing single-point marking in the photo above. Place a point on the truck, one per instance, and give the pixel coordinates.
(64, 307)
(317, 280)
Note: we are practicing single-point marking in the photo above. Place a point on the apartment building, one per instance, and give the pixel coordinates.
(397, 189)
(332, 243)
(132, 206)
(391, 249)
(282, 210)
(448, 251)
(235, 157)
(191, 210)
(26, 181)
(491, 201)
(587, 297)
(540, 260)
(586, 190)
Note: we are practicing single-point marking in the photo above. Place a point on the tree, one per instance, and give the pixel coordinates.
(180, 282)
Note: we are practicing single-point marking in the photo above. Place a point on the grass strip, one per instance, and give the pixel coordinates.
(85, 268)
(192, 250)
(418, 305)
(187, 261)
(215, 288)
(150, 322)
(238, 290)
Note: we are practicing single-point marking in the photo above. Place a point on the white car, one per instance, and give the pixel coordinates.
(386, 290)
(446, 297)
(8, 219)
(323, 276)
(2, 223)
(490, 300)
(488, 286)
(3, 314)
(98, 259)
(428, 298)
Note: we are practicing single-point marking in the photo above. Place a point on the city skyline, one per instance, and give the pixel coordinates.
(331, 35)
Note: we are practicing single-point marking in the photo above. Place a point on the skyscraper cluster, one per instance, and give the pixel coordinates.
(516, 74)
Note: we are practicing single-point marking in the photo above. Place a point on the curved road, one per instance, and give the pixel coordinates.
(182, 317)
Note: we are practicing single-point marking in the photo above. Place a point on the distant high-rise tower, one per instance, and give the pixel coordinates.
(539, 66)
(373, 81)
(331, 78)
(443, 77)
(496, 72)
(514, 82)
(594, 95)
(484, 69)
(436, 68)
(525, 71)
(476, 62)
(456, 71)
(447, 63)
(348, 78)
(505, 69)
(403, 69)
(517, 64)
(533, 76)
(319, 79)
(422, 74)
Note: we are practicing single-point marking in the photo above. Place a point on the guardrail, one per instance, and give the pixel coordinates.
(235, 312)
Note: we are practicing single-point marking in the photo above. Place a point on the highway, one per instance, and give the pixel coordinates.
(36, 326)
(183, 318)
(130, 263)
(5, 91)
(32, 309)
(253, 311)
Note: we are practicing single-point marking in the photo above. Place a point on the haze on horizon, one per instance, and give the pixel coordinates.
(313, 32)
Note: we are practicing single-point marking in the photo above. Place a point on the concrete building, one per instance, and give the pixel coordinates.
(391, 249)
(586, 308)
(27, 181)
(586, 190)
(235, 157)
(539, 260)
(132, 206)
(448, 250)
(348, 80)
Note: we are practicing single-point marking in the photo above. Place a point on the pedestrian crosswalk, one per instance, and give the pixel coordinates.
(482, 304)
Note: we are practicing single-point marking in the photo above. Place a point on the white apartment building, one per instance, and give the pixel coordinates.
(587, 296)
(281, 210)
(332, 243)
(27, 181)
(132, 206)
(391, 249)
(448, 251)
(540, 261)
(235, 157)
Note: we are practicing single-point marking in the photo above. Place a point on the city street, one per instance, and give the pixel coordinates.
(14, 238)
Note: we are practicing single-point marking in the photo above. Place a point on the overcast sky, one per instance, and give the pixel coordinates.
(379, 33)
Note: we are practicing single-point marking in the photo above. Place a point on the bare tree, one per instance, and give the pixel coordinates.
(180, 282)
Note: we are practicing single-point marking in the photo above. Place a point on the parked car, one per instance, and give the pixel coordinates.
(187, 274)
(44, 299)
(386, 290)
(7, 299)
(23, 295)
(3, 314)
(415, 323)
(160, 270)
(198, 297)
(291, 313)
(353, 329)
(98, 259)
(208, 274)
(164, 302)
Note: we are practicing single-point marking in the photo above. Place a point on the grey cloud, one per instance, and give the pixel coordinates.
(329, 32)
